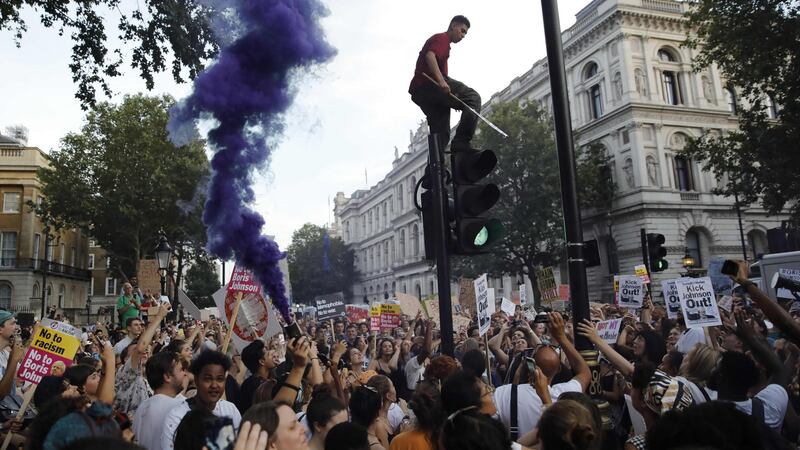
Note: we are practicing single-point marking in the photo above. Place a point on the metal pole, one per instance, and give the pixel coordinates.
(566, 165)
(646, 257)
(741, 229)
(223, 272)
(440, 223)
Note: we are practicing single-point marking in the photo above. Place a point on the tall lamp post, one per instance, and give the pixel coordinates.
(163, 255)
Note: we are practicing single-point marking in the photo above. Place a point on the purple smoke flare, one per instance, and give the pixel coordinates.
(245, 93)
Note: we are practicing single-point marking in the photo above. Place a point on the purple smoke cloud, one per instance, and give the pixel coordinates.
(244, 94)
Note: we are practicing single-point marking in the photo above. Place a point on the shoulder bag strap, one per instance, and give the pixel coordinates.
(513, 427)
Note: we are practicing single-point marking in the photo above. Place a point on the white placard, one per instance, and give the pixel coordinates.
(671, 298)
(508, 307)
(482, 303)
(792, 274)
(608, 330)
(523, 295)
(492, 306)
(631, 291)
(698, 302)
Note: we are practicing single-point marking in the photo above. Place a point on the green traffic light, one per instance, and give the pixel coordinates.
(481, 237)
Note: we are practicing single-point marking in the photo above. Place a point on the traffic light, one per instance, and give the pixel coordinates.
(475, 230)
(657, 252)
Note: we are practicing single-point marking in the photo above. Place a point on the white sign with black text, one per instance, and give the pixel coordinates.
(671, 298)
(631, 291)
(482, 303)
(698, 302)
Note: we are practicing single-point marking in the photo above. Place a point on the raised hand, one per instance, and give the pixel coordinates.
(587, 330)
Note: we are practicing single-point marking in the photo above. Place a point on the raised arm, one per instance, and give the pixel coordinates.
(299, 354)
(396, 356)
(495, 344)
(105, 392)
(147, 336)
(582, 373)
(587, 330)
(771, 308)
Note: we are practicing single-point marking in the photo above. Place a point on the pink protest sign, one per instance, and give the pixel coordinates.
(48, 348)
(243, 281)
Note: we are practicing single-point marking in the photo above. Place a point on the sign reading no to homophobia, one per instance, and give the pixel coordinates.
(330, 306)
(698, 302)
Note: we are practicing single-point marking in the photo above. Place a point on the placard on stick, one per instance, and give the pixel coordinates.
(48, 347)
(375, 317)
(608, 330)
(330, 306)
(546, 281)
(482, 303)
(671, 298)
(631, 291)
(698, 302)
(390, 316)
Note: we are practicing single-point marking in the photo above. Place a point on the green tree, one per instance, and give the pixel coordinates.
(596, 187)
(308, 271)
(161, 32)
(754, 43)
(202, 280)
(530, 199)
(123, 180)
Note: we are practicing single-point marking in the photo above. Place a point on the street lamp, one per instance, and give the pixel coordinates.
(687, 261)
(163, 255)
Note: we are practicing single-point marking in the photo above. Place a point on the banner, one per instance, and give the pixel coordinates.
(608, 330)
(256, 318)
(641, 271)
(631, 291)
(389, 316)
(508, 307)
(375, 317)
(330, 306)
(482, 303)
(48, 348)
(671, 298)
(466, 296)
(698, 302)
(546, 281)
(409, 304)
(357, 313)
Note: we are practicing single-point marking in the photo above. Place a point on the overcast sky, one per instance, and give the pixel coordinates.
(348, 116)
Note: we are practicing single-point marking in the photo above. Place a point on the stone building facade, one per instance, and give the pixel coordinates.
(632, 90)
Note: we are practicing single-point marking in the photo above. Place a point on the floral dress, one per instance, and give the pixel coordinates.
(131, 388)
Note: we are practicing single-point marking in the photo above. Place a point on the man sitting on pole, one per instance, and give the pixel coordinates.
(433, 91)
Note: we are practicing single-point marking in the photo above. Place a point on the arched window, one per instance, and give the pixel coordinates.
(36, 293)
(666, 56)
(62, 292)
(683, 174)
(5, 296)
(379, 259)
(672, 93)
(418, 290)
(394, 286)
(386, 290)
(693, 247)
(402, 244)
(415, 240)
(757, 243)
(595, 102)
(400, 198)
(730, 98)
(386, 254)
(590, 71)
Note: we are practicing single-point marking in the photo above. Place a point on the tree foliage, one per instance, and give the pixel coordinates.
(163, 31)
(202, 280)
(596, 187)
(756, 45)
(307, 268)
(122, 179)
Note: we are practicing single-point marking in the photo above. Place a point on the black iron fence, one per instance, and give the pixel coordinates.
(40, 264)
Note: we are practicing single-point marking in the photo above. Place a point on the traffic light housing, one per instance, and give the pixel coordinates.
(656, 252)
(474, 229)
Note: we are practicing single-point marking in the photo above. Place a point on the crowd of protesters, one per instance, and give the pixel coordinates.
(167, 385)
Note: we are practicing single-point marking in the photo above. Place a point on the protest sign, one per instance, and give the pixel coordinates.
(641, 271)
(188, 304)
(608, 330)
(508, 307)
(330, 306)
(62, 327)
(357, 313)
(726, 303)
(466, 296)
(242, 283)
(563, 292)
(375, 317)
(148, 276)
(631, 291)
(616, 289)
(671, 298)
(409, 304)
(432, 309)
(48, 347)
(698, 302)
(523, 295)
(255, 319)
(722, 284)
(482, 303)
(792, 274)
(390, 316)
(546, 282)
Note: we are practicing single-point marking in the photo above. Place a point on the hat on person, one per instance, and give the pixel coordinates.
(4, 316)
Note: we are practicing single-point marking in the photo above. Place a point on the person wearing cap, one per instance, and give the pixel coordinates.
(11, 354)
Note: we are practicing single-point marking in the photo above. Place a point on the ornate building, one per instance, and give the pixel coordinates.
(632, 90)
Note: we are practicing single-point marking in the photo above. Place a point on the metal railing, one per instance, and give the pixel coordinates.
(41, 264)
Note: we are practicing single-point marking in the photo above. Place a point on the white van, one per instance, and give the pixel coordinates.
(786, 264)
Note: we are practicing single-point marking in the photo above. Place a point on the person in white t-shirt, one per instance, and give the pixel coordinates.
(547, 359)
(420, 355)
(689, 337)
(135, 328)
(210, 370)
(165, 374)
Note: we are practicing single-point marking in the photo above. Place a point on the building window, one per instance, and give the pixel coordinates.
(730, 97)
(37, 241)
(595, 102)
(419, 291)
(91, 261)
(111, 286)
(62, 293)
(36, 293)
(666, 56)
(8, 249)
(11, 202)
(772, 108)
(5, 296)
(415, 240)
(92, 243)
(671, 88)
(400, 198)
(683, 174)
(63, 249)
(433, 289)
(72, 257)
(590, 71)
(626, 138)
(91, 286)
(402, 244)
(693, 247)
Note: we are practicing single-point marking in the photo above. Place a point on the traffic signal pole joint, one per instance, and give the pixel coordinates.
(437, 142)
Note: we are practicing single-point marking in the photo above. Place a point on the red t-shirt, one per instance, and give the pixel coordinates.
(439, 44)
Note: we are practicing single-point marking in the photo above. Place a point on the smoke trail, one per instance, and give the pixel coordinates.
(244, 93)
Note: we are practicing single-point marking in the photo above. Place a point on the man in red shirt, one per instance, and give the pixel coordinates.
(434, 99)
